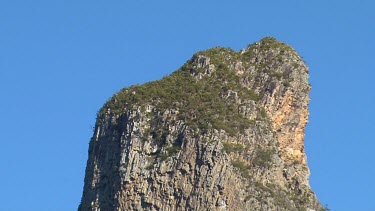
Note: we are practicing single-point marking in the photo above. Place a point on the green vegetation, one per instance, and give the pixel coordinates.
(262, 114)
(233, 147)
(277, 74)
(204, 101)
(146, 134)
(274, 191)
(300, 199)
(325, 208)
(150, 166)
(270, 42)
(249, 94)
(242, 166)
(286, 83)
(207, 103)
(163, 156)
(266, 44)
(263, 157)
(173, 149)
(169, 151)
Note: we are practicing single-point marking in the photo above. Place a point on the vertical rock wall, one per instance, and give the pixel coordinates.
(152, 157)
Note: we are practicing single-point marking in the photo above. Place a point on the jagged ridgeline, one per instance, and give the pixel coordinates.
(223, 132)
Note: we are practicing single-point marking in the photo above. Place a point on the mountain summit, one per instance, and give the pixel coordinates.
(223, 132)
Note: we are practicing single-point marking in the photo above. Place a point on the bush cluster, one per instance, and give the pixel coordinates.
(202, 103)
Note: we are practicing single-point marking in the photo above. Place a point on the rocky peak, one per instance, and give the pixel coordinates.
(224, 132)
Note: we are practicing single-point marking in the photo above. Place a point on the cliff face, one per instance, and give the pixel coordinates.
(224, 132)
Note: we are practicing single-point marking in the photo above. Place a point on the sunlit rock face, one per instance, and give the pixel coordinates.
(223, 132)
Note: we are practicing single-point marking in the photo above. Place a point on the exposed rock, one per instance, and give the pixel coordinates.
(224, 132)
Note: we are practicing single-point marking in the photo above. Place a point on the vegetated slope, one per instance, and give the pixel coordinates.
(224, 132)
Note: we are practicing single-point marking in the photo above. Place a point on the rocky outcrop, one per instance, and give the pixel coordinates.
(224, 132)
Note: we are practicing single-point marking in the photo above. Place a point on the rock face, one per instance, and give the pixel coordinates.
(224, 132)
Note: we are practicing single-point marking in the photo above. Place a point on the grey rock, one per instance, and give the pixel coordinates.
(156, 152)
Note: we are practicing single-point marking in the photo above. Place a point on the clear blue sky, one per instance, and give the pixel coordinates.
(61, 60)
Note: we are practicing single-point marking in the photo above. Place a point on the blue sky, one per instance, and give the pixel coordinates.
(61, 60)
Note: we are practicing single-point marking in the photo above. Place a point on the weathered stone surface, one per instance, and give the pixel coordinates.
(241, 150)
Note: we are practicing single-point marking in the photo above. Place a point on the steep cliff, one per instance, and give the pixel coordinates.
(224, 132)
